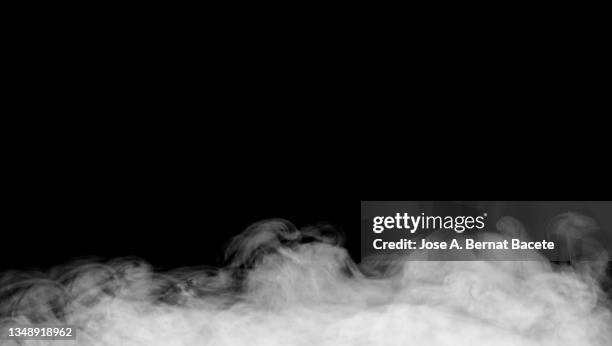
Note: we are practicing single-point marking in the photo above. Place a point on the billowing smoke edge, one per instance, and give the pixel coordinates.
(288, 286)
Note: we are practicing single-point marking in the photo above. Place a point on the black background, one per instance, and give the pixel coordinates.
(180, 205)
(167, 210)
(172, 185)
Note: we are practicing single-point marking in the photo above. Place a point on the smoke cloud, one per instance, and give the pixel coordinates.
(289, 286)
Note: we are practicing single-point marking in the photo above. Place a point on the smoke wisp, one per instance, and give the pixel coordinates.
(289, 286)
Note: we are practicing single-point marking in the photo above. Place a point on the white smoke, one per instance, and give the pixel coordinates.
(285, 286)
